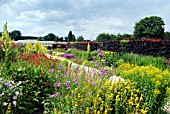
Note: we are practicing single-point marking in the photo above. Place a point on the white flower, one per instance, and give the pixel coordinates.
(5, 103)
(15, 103)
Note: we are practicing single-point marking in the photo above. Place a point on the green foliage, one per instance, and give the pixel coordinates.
(141, 60)
(167, 35)
(80, 38)
(50, 37)
(103, 37)
(151, 82)
(7, 42)
(40, 38)
(16, 35)
(6, 48)
(115, 59)
(149, 27)
(71, 37)
(112, 58)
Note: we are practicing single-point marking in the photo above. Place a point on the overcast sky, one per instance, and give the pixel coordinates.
(83, 17)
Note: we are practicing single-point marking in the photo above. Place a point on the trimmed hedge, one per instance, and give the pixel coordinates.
(83, 45)
(145, 47)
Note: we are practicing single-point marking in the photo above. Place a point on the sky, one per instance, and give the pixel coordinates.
(83, 17)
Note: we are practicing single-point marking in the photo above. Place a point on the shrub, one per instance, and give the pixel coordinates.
(151, 81)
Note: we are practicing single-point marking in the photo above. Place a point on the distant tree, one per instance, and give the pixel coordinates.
(132, 36)
(61, 39)
(71, 37)
(16, 35)
(126, 36)
(113, 37)
(0, 34)
(56, 38)
(119, 36)
(80, 38)
(149, 27)
(41, 38)
(66, 39)
(103, 37)
(167, 35)
(50, 37)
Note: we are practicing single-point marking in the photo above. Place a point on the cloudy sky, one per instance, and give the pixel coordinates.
(83, 17)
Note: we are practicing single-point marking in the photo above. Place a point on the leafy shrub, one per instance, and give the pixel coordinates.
(152, 82)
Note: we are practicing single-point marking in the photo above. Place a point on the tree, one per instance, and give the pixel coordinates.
(113, 37)
(60, 39)
(56, 38)
(16, 35)
(50, 37)
(149, 27)
(119, 36)
(103, 37)
(167, 35)
(80, 38)
(126, 36)
(71, 37)
(40, 38)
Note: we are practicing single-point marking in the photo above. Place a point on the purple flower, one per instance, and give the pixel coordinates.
(83, 71)
(15, 103)
(68, 87)
(111, 73)
(91, 62)
(59, 67)
(67, 55)
(5, 103)
(55, 59)
(100, 55)
(56, 76)
(58, 85)
(112, 67)
(100, 74)
(74, 79)
(93, 83)
(76, 82)
(105, 70)
(55, 95)
(98, 50)
(53, 65)
(103, 63)
(77, 68)
(94, 57)
(51, 70)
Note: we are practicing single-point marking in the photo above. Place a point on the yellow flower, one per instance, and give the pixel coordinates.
(168, 91)
(143, 111)
(98, 112)
(141, 98)
(95, 111)
(156, 92)
(105, 112)
(87, 110)
(137, 106)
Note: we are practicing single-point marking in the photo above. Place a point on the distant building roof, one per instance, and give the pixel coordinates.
(46, 43)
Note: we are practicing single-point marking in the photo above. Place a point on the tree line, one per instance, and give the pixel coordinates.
(148, 27)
